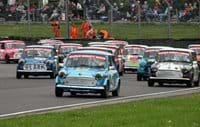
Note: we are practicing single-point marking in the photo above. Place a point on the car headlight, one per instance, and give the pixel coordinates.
(62, 74)
(154, 69)
(186, 70)
(98, 76)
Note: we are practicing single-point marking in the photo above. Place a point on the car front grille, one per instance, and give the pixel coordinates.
(80, 81)
(169, 74)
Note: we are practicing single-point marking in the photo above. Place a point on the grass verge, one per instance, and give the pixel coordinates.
(118, 30)
(180, 111)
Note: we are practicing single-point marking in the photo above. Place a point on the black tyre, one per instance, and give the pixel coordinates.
(58, 92)
(26, 76)
(197, 82)
(7, 59)
(73, 93)
(117, 91)
(139, 77)
(18, 75)
(150, 83)
(105, 92)
(160, 83)
(52, 75)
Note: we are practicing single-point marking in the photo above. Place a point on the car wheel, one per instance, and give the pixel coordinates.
(105, 92)
(121, 73)
(116, 92)
(18, 75)
(139, 77)
(52, 75)
(190, 82)
(26, 76)
(73, 93)
(197, 82)
(7, 59)
(150, 83)
(160, 83)
(58, 92)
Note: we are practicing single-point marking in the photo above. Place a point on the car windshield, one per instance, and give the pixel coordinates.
(15, 46)
(197, 50)
(134, 51)
(37, 52)
(174, 57)
(150, 54)
(88, 61)
(66, 50)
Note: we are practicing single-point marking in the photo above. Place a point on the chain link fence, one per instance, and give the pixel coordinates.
(123, 19)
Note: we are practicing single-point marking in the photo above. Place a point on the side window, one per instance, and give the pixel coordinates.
(194, 56)
(2, 46)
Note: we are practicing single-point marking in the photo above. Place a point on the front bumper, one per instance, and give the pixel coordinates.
(35, 73)
(169, 80)
(81, 89)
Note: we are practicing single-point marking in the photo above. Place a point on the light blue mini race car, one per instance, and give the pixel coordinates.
(88, 71)
(37, 60)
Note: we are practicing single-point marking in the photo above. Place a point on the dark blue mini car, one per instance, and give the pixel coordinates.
(37, 60)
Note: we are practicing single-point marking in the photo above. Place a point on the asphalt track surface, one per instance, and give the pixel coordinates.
(18, 95)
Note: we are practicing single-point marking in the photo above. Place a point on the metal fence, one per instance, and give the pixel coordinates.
(144, 19)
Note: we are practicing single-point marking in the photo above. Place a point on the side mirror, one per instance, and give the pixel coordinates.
(194, 62)
(55, 57)
(112, 68)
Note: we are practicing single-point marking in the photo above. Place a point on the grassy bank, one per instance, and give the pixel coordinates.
(123, 31)
(182, 111)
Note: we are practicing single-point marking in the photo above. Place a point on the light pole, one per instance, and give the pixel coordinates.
(29, 23)
(169, 19)
(139, 20)
(67, 19)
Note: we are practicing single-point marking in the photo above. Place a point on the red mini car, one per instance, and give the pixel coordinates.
(11, 50)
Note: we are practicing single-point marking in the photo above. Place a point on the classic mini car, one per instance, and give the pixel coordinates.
(37, 60)
(132, 55)
(64, 50)
(88, 72)
(196, 48)
(150, 54)
(51, 42)
(175, 66)
(118, 56)
(10, 50)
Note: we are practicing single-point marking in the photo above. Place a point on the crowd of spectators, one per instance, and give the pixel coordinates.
(156, 11)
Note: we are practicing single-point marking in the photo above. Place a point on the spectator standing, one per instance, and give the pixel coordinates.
(56, 27)
(84, 28)
(22, 11)
(90, 33)
(74, 32)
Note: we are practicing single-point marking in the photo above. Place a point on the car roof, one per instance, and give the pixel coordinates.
(178, 50)
(11, 41)
(158, 47)
(194, 45)
(92, 52)
(44, 41)
(39, 46)
(96, 48)
(117, 41)
(102, 45)
(136, 45)
(71, 44)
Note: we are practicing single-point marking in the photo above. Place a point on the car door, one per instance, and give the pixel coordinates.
(195, 66)
(113, 73)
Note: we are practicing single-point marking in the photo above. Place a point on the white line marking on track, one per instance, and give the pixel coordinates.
(94, 102)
